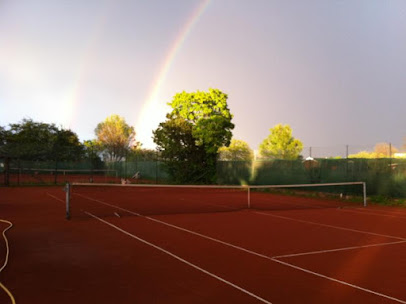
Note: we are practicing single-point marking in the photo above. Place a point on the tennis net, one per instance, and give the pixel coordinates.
(145, 199)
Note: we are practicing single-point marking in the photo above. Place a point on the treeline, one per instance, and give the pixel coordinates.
(196, 134)
(30, 140)
(37, 141)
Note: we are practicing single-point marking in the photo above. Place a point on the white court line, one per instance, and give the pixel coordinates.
(179, 228)
(239, 247)
(57, 198)
(384, 208)
(274, 259)
(258, 212)
(181, 259)
(335, 250)
(329, 226)
(369, 212)
(339, 281)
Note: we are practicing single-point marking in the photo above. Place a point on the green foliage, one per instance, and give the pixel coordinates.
(238, 150)
(31, 140)
(280, 144)
(199, 124)
(115, 137)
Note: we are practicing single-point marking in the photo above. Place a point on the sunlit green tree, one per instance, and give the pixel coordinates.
(237, 150)
(115, 137)
(280, 144)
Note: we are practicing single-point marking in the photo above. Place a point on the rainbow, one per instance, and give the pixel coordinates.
(153, 110)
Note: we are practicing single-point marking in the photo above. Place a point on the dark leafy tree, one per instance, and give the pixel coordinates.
(189, 140)
(31, 140)
(186, 162)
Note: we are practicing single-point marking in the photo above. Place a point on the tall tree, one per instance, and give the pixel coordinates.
(66, 146)
(186, 162)
(238, 150)
(280, 144)
(115, 137)
(199, 124)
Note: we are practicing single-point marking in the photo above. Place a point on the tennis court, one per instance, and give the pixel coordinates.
(182, 245)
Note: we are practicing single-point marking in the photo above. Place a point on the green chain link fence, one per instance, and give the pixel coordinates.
(386, 177)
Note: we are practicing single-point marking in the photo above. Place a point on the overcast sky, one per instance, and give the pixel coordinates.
(335, 71)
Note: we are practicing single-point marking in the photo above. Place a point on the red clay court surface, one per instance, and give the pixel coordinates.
(327, 255)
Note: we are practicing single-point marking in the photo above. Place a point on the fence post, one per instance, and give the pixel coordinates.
(18, 172)
(156, 167)
(364, 190)
(390, 150)
(346, 163)
(125, 164)
(7, 171)
(56, 172)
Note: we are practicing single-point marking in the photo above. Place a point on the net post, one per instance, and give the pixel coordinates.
(67, 190)
(364, 190)
(249, 197)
